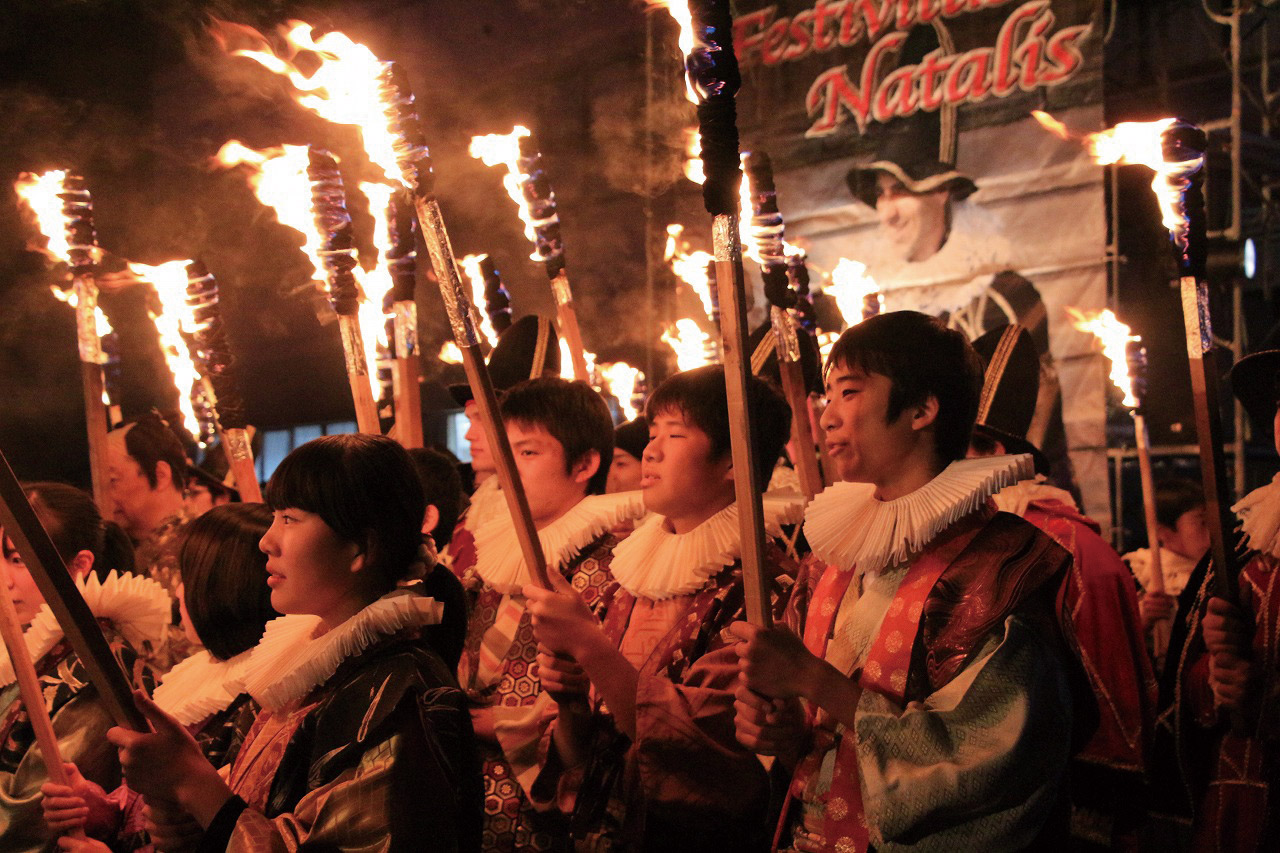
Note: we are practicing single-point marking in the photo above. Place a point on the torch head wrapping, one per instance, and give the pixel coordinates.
(1135, 356)
(212, 350)
(1185, 144)
(497, 301)
(77, 211)
(329, 207)
(412, 154)
(713, 73)
(402, 256)
(535, 186)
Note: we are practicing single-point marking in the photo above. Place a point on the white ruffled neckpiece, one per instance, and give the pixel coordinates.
(1259, 513)
(292, 659)
(201, 686)
(1016, 498)
(656, 563)
(500, 562)
(137, 606)
(487, 502)
(847, 527)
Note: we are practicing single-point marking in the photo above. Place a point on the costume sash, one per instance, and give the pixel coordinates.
(497, 642)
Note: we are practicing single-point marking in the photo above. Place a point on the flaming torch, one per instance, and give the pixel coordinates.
(697, 270)
(1128, 359)
(487, 290)
(528, 185)
(401, 258)
(767, 229)
(337, 252)
(417, 174)
(213, 354)
(64, 210)
(1174, 150)
(712, 79)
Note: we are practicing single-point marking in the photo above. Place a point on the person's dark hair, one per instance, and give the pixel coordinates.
(442, 486)
(574, 414)
(922, 358)
(149, 441)
(699, 396)
(73, 522)
(362, 486)
(224, 577)
(1175, 497)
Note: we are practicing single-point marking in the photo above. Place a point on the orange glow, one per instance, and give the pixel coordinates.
(826, 340)
(689, 342)
(1136, 143)
(449, 353)
(1114, 335)
(693, 156)
(175, 317)
(679, 10)
(621, 380)
(849, 286)
(100, 322)
(471, 266)
(376, 283)
(40, 193)
(566, 364)
(503, 149)
(690, 267)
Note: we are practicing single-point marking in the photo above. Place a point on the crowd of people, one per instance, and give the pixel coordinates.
(957, 659)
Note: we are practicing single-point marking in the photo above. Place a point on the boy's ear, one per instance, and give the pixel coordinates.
(925, 414)
(586, 467)
(164, 474)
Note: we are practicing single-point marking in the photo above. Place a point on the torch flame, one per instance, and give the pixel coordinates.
(689, 342)
(376, 283)
(40, 192)
(690, 267)
(450, 354)
(850, 285)
(175, 317)
(503, 149)
(679, 10)
(1137, 143)
(621, 380)
(471, 266)
(566, 364)
(693, 169)
(1114, 335)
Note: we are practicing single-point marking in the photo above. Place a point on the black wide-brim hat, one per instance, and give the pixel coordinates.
(199, 475)
(1254, 379)
(529, 348)
(918, 175)
(1010, 390)
(762, 346)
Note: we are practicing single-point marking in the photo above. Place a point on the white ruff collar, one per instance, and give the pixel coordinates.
(137, 606)
(846, 526)
(500, 563)
(487, 501)
(1016, 498)
(201, 686)
(1259, 513)
(655, 563)
(291, 660)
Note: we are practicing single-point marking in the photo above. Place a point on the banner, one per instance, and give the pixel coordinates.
(902, 140)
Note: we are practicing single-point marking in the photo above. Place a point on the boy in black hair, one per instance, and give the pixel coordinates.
(662, 769)
(562, 437)
(936, 689)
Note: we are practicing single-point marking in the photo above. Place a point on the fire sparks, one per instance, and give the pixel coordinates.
(622, 381)
(851, 287)
(690, 267)
(471, 266)
(693, 156)
(1114, 335)
(503, 149)
(175, 318)
(1138, 143)
(689, 342)
(342, 89)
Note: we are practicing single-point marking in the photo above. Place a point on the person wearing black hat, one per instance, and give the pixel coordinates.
(205, 491)
(1107, 786)
(629, 440)
(1222, 690)
(528, 349)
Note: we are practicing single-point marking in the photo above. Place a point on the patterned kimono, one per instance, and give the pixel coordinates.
(684, 782)
(133, 614)
(1108, 789)
(498, 668)
(963, 724)
(376, 756)
(157, 558)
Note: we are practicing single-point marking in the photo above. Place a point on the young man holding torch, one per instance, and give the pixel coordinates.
(1108, 788)
(927, 705)
(562, 436)
(647, 759)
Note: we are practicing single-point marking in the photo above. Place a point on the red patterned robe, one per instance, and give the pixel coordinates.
(498, 672)
(1107, 783)
(964, 715)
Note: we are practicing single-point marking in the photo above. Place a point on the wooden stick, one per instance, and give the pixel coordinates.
(1160, 632)
(32, 696)
(567, 320)
(239, 451)
(793, 388)
(60, 592)
(737, 372)
(95, 416)
(358, 375)
(405, 388)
